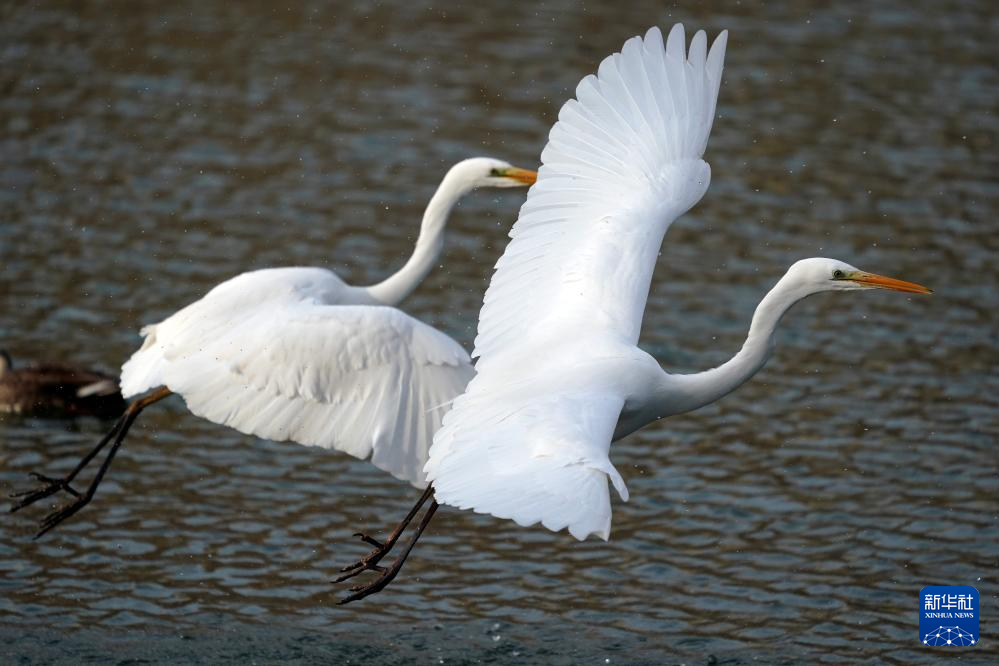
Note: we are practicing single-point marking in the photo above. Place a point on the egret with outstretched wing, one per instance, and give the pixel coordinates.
(559, 375)
(297, 354)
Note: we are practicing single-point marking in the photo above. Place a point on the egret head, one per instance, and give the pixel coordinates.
(820, 274)
(489, 172)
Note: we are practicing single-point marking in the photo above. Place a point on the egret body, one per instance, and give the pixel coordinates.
(298, 354)
(559, 373)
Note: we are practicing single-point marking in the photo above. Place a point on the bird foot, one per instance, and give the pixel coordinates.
(387, 575)
(62, 513)
(369, 562)
(51, 487)
(370, 541)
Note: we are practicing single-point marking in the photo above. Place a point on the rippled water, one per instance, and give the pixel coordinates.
(149, 152)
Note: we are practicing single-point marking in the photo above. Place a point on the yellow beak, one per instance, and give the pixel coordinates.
(882, 282)
(525, 176)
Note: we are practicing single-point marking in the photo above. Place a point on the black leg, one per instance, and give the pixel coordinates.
(370, 561)
(53, 486)
(387, 575)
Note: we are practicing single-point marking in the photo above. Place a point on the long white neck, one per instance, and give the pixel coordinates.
(429, 244)
(684, 393)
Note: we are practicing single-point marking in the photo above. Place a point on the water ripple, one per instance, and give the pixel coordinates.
(149, 155)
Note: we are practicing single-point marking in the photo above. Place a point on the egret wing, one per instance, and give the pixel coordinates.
(530, 457)
(622, 162)
(271, 358)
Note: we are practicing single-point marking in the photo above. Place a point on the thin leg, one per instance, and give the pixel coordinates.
(118, 433)
(55, 485)
(370, 561)
(389, 574)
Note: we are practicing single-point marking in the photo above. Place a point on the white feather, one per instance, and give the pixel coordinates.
(275, 353)
(531, 458)
(530, 437)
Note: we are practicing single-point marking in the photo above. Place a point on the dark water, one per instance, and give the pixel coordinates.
(151, 150)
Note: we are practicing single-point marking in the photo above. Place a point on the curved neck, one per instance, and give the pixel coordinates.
(429, 244)
(689, 392)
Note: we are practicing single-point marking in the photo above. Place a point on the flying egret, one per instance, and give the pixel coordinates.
(55, 389)
(559, 375)
(297, 354)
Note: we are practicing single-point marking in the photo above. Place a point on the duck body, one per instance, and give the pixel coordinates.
(55, 389)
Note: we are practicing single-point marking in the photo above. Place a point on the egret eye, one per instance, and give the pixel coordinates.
(838, 274)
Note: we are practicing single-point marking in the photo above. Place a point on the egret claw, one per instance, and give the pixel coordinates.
(358, 570)
(62, 513)
(51, 488)
(368, 540)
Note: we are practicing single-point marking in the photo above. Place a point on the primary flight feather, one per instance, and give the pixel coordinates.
(621, 164)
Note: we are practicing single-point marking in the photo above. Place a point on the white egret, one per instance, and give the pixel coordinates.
(559, 373)
(297, 354)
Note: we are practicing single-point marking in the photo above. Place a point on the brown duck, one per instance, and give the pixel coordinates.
(49, 389)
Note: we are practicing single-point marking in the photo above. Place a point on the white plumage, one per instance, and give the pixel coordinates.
(297, 354)
(559, 375)
(622, 162)
(275, 353)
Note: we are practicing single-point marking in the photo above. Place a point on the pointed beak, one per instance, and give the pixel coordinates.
(882, 282)
(523, 176)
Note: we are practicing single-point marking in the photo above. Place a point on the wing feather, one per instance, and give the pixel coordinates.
(267, 354)
(531, 459)
(622, 162)
(530, 437)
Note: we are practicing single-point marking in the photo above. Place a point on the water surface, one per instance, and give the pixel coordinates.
(149, 151)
